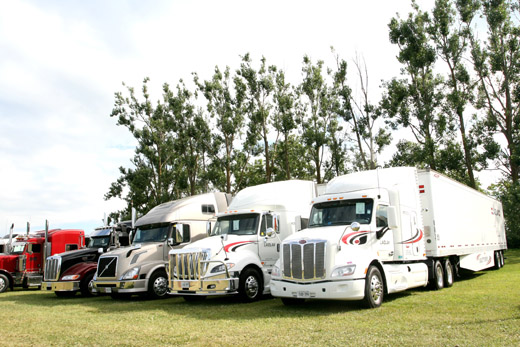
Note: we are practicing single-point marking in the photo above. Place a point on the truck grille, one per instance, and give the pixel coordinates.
(304, 261)
(52, 268)
(188, 265)
(107, 267)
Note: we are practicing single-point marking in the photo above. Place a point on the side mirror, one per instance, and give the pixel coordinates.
(170, 242)
(179, 233)
(392, 217)
(276, 222)
(100, 250)
(208, 228)
(355, 226)
(270, 232)
(298, 223)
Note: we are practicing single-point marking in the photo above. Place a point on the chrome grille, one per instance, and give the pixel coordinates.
(52, 268)
(107, 267)
(304, 261)
(189, 265)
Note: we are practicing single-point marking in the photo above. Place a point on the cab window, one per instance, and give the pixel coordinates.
(71, 247)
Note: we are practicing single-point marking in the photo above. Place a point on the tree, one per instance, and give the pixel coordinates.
(415, 101)
(260, 87)
(450, 39)
(316, 113)
(497, 65)
(225, 103)
(192, 132)
(151, 180)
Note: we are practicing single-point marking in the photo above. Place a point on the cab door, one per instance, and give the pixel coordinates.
(33, 257)
(268, 247)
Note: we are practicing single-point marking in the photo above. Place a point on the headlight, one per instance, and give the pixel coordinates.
(222, 268)
(131, 274)
(343, 271)
(275, 272)
(70, 277)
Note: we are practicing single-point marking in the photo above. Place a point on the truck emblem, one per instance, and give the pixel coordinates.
(302, 242)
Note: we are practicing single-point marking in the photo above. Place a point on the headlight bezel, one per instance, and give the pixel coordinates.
(343, 271)
(70, 277)
(131, 274)
(222, 268)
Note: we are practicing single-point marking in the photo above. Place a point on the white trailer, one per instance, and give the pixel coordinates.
(245, 243)
(388, 230)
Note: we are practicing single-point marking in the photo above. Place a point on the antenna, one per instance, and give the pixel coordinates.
(378, 186)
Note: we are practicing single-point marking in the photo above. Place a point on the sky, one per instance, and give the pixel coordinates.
(62, 61)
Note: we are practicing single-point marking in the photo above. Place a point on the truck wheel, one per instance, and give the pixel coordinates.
(438, 276)
(448, 273)
(374, 288)
(4, 283)
(158, 285)
(502, 261)
(292, 301)
(250, 285)
(65, 294)
(86, 286)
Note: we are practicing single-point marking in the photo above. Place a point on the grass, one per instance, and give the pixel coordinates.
(481, 309)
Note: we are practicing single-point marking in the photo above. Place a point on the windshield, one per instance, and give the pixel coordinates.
(99, 241)
(341, 212)
(152, 233)
(239, 224)
(18, 247)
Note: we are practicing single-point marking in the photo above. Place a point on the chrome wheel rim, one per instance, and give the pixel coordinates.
(160, 286)
(2, 284)
(438, 272)
(449, 273)
(376, 289)
(251, 286)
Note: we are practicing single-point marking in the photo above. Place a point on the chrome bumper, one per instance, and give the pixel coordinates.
(215, 286)
(108, 287)
(65, 286)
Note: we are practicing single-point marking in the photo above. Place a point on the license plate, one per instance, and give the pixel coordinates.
(108, 290)
(185, 285)
(304, 294)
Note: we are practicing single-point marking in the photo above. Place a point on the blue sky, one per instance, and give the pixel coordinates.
(62, 61)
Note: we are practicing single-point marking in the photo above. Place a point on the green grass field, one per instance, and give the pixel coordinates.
(481, 309)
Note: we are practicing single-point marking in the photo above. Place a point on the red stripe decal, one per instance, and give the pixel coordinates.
(241, 243)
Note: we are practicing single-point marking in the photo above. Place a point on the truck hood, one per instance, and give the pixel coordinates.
(8, 262)
(232, 244)
(333, 234)
(132, 249)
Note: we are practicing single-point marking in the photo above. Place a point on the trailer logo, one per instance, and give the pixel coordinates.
(233, 246)
(416, 238)
(495, 212)
(356, 238)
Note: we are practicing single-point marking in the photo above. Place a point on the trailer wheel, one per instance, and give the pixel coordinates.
(250, 285)
(374, 288)
(292, 301)
(498, 261)
(448, 273)
(502, 261)
(438, 276)
(4, 283)
(158, 285)
(86, 286)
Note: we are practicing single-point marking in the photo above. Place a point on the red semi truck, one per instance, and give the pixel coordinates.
(25, 261)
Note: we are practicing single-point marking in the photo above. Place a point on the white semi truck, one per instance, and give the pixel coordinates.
(141, 267)
(245, 243)
(384, 231)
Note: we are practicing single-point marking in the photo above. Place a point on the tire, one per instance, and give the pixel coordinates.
(65, 294)
(250, 285)
(292, 301)
(374, 288)
(502, 261)
(86, 287)
(158, 285)
(438, 276)
(194, 298)
(4, 283)
(498, 263)
(449, 274)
